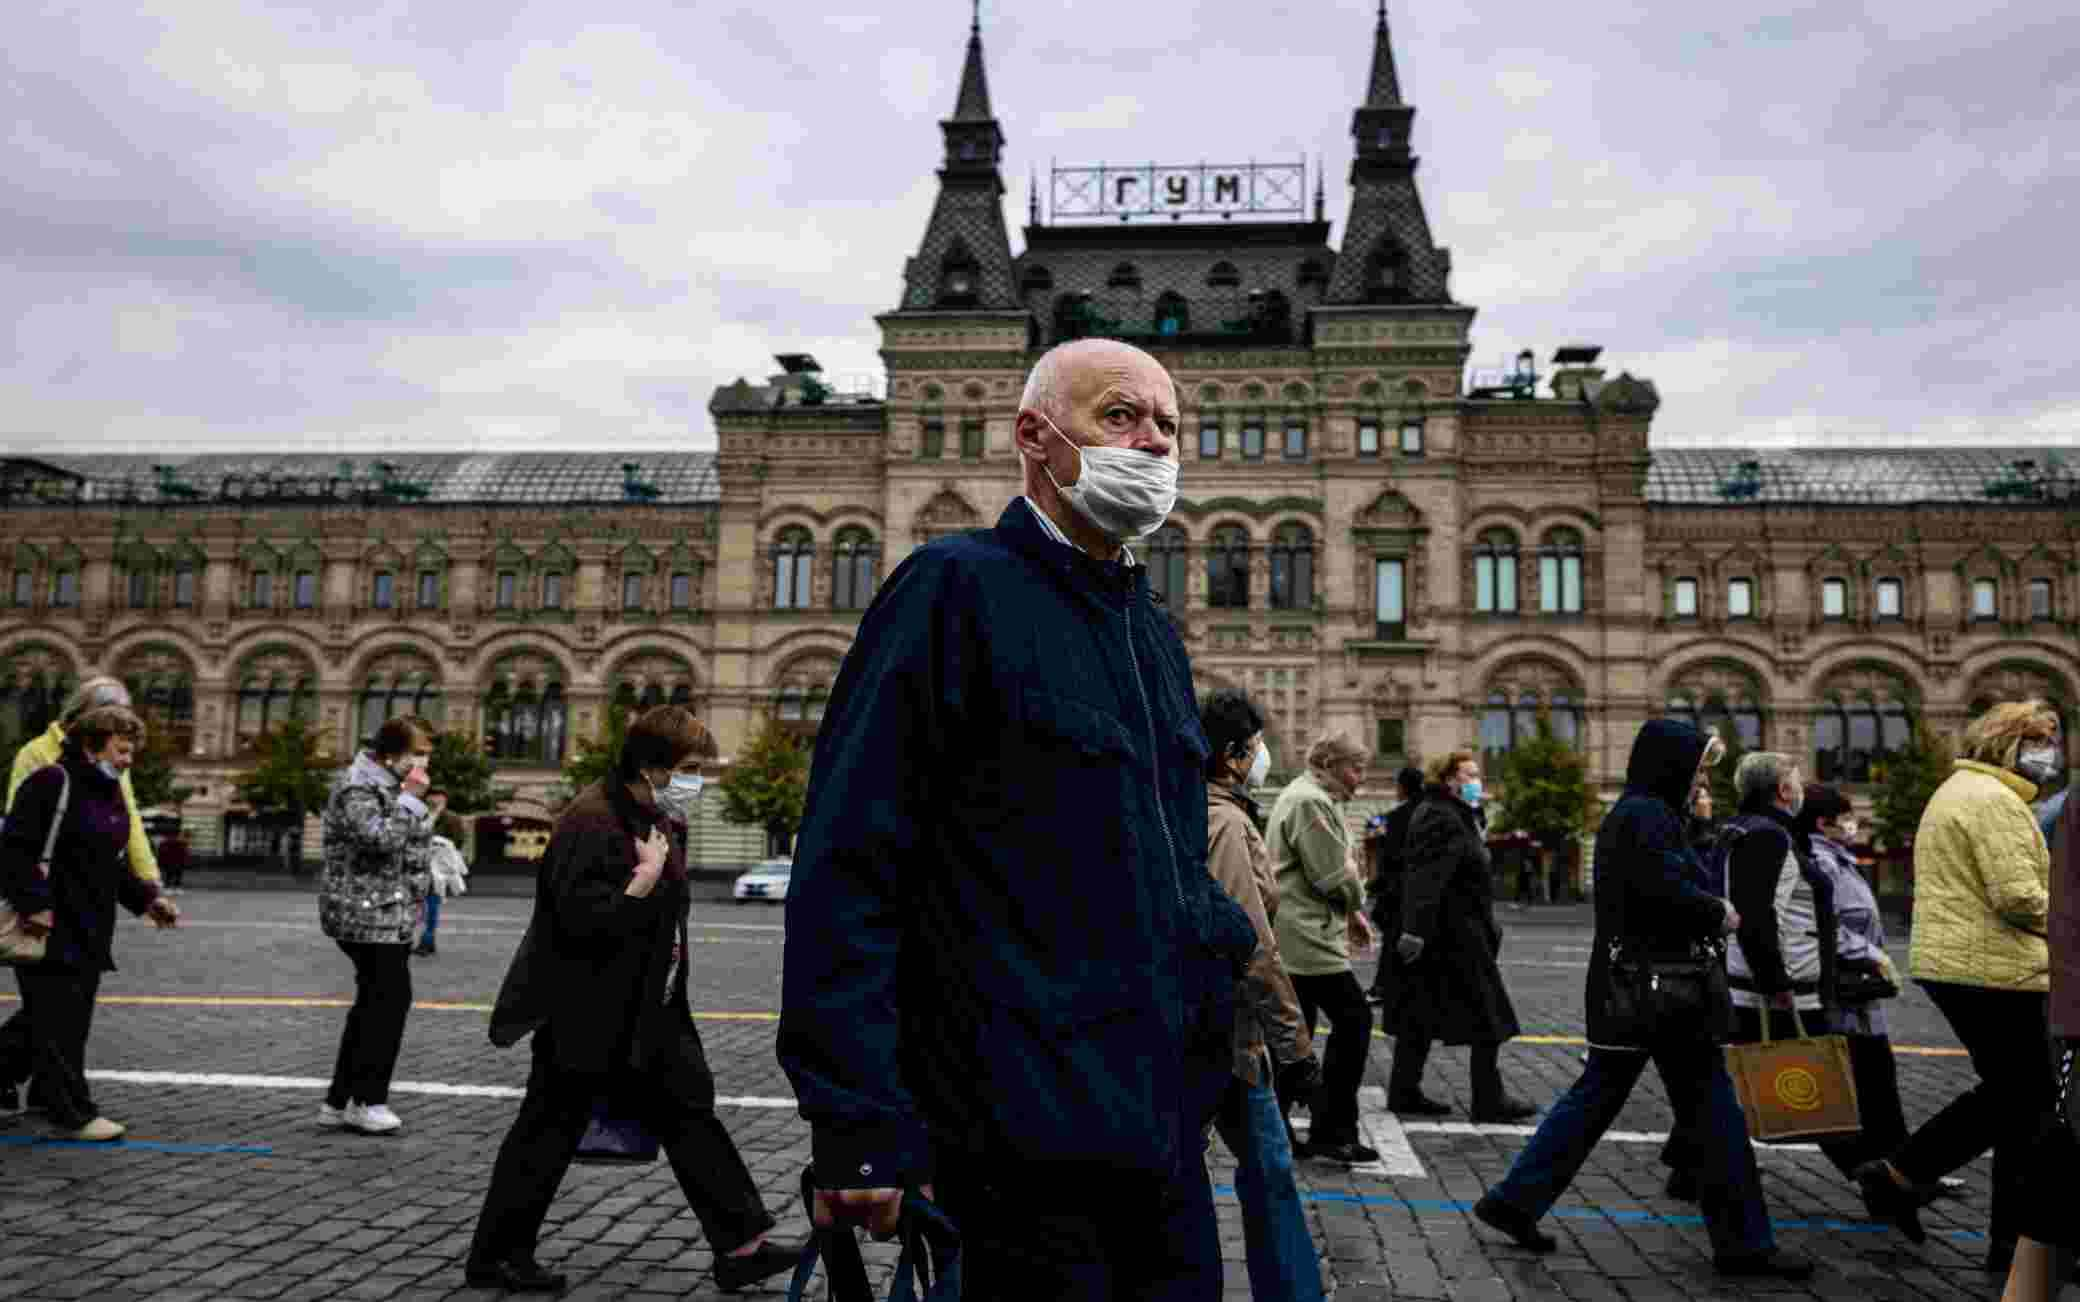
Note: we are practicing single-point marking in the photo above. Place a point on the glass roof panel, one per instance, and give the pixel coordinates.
(673, 479)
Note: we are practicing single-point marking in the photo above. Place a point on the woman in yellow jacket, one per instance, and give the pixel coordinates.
(1982, 901)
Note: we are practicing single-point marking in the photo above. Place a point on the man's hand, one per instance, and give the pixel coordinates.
(164, 913)
(1410, 948)
(879, 1210)
(650, 855)
(1733, 919)
(1363, 934)
(39, 924)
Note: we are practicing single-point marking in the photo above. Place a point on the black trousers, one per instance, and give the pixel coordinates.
(1335, 1107)
(2008, 1035)
(538, 1150)
(1108, 1239)
(1405, 1079)
(369, 1043)
(57, 1014)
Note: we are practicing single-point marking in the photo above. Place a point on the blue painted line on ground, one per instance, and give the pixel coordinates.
(1639, 1216)
(132, 1145)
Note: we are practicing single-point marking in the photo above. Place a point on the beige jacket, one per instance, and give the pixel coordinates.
(1318, 886)
(1268, 1012)
(1982, 884)
(42, 752)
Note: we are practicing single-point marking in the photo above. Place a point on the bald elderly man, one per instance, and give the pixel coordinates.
(1009, 977)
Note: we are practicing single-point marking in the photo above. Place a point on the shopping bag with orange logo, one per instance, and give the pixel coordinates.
(1795, 1089)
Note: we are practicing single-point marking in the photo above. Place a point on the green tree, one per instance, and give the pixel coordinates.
(460, 767)
(154, 779)
(594, 757)
(1726, 793)
(290, 777)
(1904, 781)
(1546, 791)
(768, 784)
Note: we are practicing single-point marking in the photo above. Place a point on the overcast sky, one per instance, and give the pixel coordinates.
(433, 225)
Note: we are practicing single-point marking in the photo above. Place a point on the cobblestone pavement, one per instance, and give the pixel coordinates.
(214, 1040)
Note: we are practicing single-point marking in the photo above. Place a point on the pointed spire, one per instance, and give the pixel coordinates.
(973, 103)
(1321, 202)
(1033, 197)
(1383, 90)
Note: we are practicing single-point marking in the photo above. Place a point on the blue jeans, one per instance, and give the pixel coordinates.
(1701, 1094)
(1280, 1251)
(433, 918)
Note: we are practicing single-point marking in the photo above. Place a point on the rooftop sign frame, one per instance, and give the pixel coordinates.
(1124, 192)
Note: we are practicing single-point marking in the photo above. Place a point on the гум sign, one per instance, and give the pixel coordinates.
(1158, 190)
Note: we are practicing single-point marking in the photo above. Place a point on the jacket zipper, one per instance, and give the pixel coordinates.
(1154, 757)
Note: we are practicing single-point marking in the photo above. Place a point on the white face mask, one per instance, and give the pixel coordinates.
(1260, 767)
(2038, 763)
(677, 796)
(1124, 494)
(109, 770)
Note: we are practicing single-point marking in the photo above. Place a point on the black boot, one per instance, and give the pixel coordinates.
(733, 1273)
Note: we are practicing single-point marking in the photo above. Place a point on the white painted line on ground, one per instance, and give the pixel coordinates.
(228, 1080)
(1384, 1131)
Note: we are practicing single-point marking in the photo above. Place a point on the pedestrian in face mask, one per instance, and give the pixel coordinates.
(1009, 978)
(378, 836)
(600, 982)
(1982, 904)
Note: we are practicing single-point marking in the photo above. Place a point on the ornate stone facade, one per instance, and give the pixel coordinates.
(1364, 543)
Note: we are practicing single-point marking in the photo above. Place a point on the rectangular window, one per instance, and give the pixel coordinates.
(1389, 739)
(1411, 438)
(1686, 598)
(140, 590)
(1209, 440)
(1296, 441)
(429, 589)
(1253, 441)
(1389, 599)
(1889, 593)
(184, 587)
(66, 595)
(1834, 599)
(2040, 598)
(552, 592)
(682, 591)
(631, 592)
(306, 590)
(508, 588)
(1985, 599)
(1740, 598)
(385, 594)
(24, 588)
(934, 445)
(1368, 438)
(263, 590)
(971, 439)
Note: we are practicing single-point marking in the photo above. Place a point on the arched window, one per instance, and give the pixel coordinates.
(1292, 568)
(793, 556)
(1223, 275)
(1227, 569)
(1495, 573)
(1274, 313)
(1313, 275)
(958, 276)
(1036, 280)
(1738, 720)
(1386, 272)
(553, 722)
(1124, 275)
(1166, 567)
(525, 712)
(1495, 730)
(1511, 718)
(1560, 573)
(853, 567)
(1173, 315)
(1853, 736)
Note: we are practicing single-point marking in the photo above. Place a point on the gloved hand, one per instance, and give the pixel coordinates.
(1296, 1082)
(1409, 948)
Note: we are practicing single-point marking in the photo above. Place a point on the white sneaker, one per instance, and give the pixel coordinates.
(332, 1118)
(371, 1119)
(100, 1131)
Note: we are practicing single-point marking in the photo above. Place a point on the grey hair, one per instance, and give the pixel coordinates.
(1760, 773)
(1047, 384)
(92, 694)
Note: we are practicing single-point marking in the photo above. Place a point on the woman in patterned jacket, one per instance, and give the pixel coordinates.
(378, 836)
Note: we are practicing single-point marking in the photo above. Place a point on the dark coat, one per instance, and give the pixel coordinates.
(2065, 924)
(1652, 897)
(1759, 839)
(1393, 867)
(1453, 992)
(90, 864)
(592, 967)
(1002, 938)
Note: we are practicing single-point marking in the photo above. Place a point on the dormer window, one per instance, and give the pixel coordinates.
(1223, 276)
(1124, 276)
(1036, 280)
(1313, 275)
(958, 276)
(1173, 317)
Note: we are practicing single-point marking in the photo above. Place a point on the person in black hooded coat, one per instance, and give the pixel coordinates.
(1652, 900)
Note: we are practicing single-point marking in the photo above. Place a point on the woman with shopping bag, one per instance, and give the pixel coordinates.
(600, 982)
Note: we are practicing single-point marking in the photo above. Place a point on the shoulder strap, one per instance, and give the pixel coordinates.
(50, 838)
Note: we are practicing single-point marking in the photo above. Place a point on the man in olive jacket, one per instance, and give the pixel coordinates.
(1321, 903)
(1009, 978)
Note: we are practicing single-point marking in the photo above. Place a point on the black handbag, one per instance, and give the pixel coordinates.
(1668, 996)
(1862, 981)
(615, 1137)
(931, 1256)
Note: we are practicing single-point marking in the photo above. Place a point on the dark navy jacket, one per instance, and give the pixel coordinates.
(1653, 895)
(90, 863)
(1003, 945)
